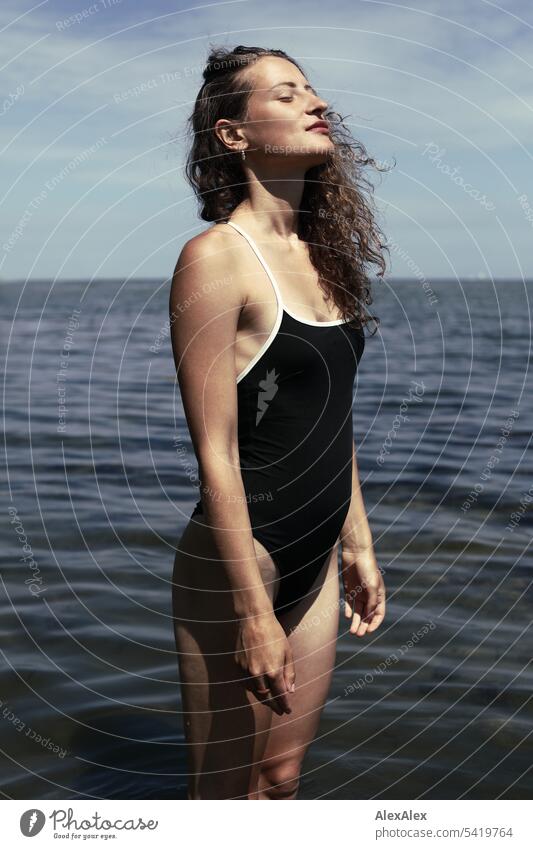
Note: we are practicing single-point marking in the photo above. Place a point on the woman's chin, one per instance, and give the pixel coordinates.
(320, 156)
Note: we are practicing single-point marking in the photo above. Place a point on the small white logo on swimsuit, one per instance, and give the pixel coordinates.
(268, 390)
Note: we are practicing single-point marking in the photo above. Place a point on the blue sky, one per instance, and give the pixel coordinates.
(92, 181)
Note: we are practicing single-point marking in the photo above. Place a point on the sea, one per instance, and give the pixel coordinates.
(99, 482)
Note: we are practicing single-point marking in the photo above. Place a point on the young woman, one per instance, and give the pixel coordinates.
(267, 315)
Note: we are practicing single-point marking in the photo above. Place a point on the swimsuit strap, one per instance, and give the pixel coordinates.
(261, 259)
(281, 303)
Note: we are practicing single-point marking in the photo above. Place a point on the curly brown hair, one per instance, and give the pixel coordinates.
(337, 208)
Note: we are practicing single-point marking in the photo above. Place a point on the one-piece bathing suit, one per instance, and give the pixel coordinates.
(295, 438)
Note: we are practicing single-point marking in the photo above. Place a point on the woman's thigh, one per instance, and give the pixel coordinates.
(226, 728)
(312, 629)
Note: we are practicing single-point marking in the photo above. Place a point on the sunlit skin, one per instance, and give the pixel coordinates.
(283, 107)
(250, 741)
(275, 136)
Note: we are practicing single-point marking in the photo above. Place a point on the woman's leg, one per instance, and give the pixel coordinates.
(226, 728)
(312, 627)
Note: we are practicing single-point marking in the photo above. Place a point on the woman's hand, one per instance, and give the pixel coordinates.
(265, 656)
(364, 590)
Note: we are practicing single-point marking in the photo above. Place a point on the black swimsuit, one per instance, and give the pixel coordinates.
(295, 441)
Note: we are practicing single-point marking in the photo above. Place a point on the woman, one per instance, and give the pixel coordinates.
(267, 330)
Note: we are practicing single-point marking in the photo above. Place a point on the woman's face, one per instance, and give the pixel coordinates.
(281, 109)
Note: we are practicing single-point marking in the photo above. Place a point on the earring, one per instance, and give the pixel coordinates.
(243, 154)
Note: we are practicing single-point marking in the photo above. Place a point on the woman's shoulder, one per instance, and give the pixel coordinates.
(206, 257)
(212, 241)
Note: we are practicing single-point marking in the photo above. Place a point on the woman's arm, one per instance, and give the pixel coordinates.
(204, 317)
(206, 299)
(356, 535)
(364, 588)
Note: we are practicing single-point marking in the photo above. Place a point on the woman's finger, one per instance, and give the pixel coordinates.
(267, 698)
(378, 615)
(289, 669)
(367, 617)
(357, 614)
(350, 598)
(260, 687)
(377, 619)
(279, 692)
